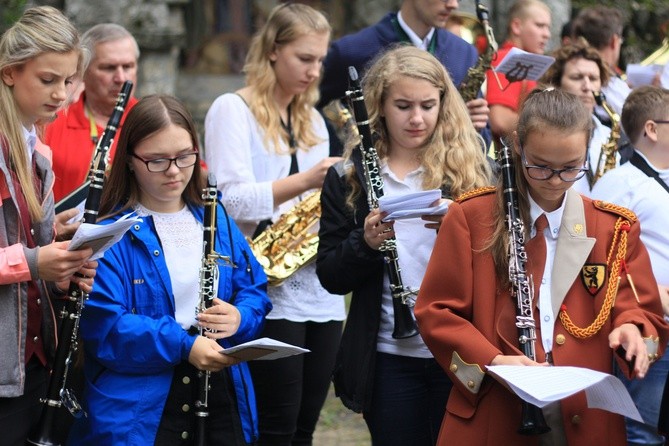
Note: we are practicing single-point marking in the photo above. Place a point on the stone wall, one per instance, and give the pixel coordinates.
(158, 26)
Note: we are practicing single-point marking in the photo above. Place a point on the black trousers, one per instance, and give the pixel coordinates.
(178, 422)
(290, 392)
(20, 415)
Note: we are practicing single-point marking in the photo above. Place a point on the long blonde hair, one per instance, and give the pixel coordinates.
(40, 30)
(542, 111)
(453, 155)
(286, 23)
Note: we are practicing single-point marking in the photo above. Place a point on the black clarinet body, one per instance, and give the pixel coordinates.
(57, 394)
(208, 289)
(532, 420)
(402, 297)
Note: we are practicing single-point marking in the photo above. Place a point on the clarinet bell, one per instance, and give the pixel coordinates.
(533, 421)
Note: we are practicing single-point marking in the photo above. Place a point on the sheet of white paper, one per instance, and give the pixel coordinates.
(664, 78)
(638, 75)
(413, 200)
(603, 391)
(523, 65)
(101, 237)
(417, 213)
(265, 349)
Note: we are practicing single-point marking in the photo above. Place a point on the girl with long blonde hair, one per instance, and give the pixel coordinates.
(424, 140)
(268, 147)
(40, 57)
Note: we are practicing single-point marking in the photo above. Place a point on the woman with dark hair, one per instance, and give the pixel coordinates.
(139, 326)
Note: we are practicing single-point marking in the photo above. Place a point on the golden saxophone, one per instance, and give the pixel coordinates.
(291, 242)
(607, 157)
(470, 87)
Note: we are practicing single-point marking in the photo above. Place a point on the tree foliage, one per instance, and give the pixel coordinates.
(10, 11)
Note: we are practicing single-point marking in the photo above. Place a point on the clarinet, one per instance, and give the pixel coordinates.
(532, 420)
(208, 285)
(57, 394)
(402, 297)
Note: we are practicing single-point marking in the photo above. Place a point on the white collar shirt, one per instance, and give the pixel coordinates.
(423, 44)
(546, 315)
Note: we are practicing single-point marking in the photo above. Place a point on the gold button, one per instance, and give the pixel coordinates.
(185, 407)
(471, 384)
(576, 419)
(185, 380)
(184, 435)
(559, 339)
(35, 339)
(454, 368)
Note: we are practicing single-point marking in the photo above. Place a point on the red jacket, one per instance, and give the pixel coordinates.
(69, 137)
(467, 318)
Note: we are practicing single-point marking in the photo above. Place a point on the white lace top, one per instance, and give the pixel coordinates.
(181, 237)
(245, 170)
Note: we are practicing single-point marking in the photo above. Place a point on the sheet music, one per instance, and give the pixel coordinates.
(412, 205)
(603, 391)
(101, 237)
(520, 65)
(263, 348)
(638, 75)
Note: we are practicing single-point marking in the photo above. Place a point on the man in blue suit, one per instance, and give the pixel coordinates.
(418, 22)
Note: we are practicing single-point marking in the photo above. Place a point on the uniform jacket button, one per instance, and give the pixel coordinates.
(560, 339)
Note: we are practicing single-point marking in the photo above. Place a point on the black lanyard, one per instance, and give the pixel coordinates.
(641, 164)
(288, 127)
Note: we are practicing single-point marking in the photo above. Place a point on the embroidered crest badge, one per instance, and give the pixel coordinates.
(593, 276)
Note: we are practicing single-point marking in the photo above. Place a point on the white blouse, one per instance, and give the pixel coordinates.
(245, 169)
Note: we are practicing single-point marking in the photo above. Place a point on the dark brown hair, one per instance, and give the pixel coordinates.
(150, 115)
(597, 25)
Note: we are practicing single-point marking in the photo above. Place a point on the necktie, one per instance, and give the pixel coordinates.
(536, 254)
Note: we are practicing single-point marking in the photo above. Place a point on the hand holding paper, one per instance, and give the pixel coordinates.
(101, 237)
(412, 205)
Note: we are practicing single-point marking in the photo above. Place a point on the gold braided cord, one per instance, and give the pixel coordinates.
(621, 229)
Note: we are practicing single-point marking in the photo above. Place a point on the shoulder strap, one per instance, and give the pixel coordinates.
(641, 164)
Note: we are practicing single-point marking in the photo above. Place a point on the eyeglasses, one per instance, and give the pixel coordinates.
(543, 173)
(163, 164)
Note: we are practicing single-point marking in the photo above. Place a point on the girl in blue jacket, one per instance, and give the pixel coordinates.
(139, 327)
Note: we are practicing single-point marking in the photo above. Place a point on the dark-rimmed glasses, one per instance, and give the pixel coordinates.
(543, 173)
(163, 164)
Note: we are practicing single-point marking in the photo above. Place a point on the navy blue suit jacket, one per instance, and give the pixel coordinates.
(361, 48)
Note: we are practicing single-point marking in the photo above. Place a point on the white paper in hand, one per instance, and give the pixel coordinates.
(409, 203)
(263, 348)
(101, 237)
(417, 213)
(520, 65)
(603, 391)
